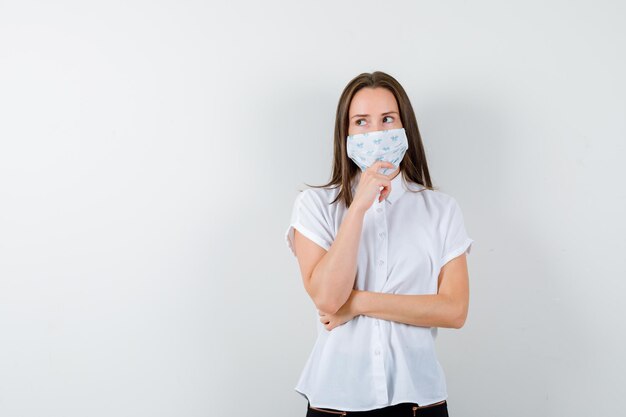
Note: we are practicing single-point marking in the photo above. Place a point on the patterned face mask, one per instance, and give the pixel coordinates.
(382, 145)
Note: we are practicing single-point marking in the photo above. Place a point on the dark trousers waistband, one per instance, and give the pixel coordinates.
(438, 409)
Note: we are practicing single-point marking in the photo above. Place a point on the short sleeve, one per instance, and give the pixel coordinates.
(455, 241)
(309, 217)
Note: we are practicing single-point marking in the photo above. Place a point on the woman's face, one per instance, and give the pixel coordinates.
(373, 109)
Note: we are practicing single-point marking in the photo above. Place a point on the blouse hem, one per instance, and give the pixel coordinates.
(343, 408)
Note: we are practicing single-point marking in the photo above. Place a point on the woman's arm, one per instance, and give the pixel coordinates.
(447, 308)
(329, 275)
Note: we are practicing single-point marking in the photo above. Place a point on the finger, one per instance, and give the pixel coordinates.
(382, 164)
(384, 183)
(378, 165)
(384, 179)
(384, 193)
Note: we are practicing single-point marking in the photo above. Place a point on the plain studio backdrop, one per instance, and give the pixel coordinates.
(151, 152)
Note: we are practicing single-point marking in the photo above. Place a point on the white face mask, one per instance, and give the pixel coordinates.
(382, 145)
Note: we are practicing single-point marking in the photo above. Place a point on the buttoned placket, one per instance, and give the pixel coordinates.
(380, 228)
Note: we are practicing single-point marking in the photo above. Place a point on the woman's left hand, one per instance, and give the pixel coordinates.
(346, 313)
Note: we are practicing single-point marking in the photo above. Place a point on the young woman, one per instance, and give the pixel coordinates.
(382, 256)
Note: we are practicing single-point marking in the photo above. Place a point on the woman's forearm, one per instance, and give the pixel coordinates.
(333, 277)
(427, 310)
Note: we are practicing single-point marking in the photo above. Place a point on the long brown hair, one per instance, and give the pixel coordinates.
(413, 166)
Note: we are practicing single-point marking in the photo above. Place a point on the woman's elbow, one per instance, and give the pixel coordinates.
(328, 300)
(459, 318)
(328, 305)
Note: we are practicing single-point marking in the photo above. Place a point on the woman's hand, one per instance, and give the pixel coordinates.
(370, 184)
(346, 313)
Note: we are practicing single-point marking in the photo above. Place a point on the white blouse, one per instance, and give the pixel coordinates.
(367, 362)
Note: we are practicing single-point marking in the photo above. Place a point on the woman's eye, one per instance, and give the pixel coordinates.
(358, 120)
(389, 117)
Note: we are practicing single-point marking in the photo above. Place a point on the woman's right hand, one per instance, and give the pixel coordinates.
(370, 185)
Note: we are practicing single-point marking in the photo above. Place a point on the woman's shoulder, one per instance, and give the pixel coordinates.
(322, 197)
(442, 196)
(432, 195)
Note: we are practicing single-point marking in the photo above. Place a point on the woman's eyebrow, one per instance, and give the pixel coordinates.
(367, 115)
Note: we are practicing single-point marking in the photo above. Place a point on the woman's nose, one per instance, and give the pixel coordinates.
(376, 126)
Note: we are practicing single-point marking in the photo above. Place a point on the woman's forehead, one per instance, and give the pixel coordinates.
(373, 101)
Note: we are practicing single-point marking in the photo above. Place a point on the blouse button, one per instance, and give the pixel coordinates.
(379, 209)
(377, 352)
(380, 262)
(381, 234)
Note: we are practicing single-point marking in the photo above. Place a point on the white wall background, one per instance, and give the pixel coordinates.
(150, 153)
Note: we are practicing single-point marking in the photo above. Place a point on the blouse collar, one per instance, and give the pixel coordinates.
(397, 188)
